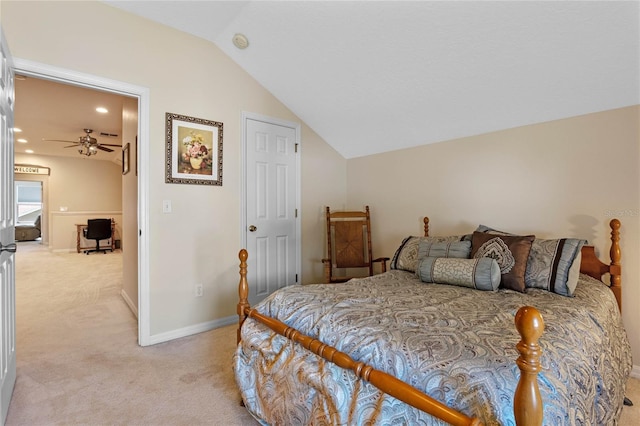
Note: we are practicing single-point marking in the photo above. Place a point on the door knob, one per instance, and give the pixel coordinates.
(252, 228)
(9, 247)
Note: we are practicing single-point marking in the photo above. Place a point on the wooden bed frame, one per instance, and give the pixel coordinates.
(528, 321)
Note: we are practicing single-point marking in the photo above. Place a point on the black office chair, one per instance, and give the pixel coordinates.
(98, 229)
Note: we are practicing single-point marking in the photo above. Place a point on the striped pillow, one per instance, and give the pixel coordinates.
(406, 256)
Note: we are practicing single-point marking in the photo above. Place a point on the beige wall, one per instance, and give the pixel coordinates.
(130, 207)
(82, 187)
(564, 178)
(199, 241)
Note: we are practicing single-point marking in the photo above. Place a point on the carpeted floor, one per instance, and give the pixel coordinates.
(79, 363)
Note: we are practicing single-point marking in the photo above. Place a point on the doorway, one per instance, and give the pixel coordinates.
(29, 207)
(28, 201)
(141, 94)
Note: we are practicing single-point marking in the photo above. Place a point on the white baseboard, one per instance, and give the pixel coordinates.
(192, 329)
(635, 372)
(129, 303)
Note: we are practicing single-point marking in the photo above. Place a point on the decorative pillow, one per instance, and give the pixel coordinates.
(458, 249)
(552, 263)
(406, 256)
(511, 253)
(482, 273)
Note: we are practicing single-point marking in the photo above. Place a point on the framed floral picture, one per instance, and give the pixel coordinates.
(194, 150)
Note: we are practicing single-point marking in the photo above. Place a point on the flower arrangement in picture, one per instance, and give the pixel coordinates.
(195, 151)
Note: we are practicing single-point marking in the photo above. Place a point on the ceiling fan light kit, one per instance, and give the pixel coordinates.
(88, 150)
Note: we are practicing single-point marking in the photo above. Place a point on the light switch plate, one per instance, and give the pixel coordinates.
(166, 206)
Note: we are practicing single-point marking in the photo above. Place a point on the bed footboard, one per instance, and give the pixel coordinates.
(527, 400)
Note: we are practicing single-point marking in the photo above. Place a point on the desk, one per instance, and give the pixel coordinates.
(80, 232)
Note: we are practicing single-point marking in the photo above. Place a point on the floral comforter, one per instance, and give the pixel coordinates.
(454, 343)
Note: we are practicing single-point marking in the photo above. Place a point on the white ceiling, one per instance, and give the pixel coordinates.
(376, 76)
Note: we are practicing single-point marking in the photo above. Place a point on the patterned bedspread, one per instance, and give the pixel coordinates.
(455, 344)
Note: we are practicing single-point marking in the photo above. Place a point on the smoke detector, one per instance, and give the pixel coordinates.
(240, 41)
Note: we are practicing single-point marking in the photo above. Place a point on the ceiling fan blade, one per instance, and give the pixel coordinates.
(58, 140)
(109, 144)
(73, 146)
(103, 148)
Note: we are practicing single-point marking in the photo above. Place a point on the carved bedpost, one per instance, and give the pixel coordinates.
(527, 403)
(615, 255)
(243, 290)
(327, 261)
(426, 226)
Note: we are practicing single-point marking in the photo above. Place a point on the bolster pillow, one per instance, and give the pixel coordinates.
(482, 273)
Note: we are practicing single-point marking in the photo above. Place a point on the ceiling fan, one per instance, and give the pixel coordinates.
(86, 144)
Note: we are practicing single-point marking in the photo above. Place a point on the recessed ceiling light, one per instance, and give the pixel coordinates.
(240, 41)
(102, 110)
(22, 140)
(28, 151)
(17, 129)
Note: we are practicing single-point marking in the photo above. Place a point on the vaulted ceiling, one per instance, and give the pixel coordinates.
(375, 76)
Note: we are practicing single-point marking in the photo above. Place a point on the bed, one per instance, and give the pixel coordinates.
(410, 347)
(28, 232)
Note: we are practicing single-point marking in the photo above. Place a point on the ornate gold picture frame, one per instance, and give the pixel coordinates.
(194, 150)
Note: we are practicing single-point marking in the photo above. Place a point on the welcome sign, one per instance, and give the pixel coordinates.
(31, 170)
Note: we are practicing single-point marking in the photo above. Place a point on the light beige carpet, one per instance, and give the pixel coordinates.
(79, 364)
(78, 361)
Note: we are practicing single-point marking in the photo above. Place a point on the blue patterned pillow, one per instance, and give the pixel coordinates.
(482, 273)
(429, 248)
(552, 265)
(406, 256)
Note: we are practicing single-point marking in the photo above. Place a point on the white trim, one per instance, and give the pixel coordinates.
(129, 302)
(75, 78)
(243, 181)
(192, 329)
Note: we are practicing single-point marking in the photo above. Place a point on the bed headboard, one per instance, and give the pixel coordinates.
(591, 265)
(594, 267)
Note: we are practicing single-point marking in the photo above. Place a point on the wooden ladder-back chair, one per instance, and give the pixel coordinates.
(349, 244)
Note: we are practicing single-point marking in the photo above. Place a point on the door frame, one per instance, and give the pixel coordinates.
(243, 181)
(66, 76)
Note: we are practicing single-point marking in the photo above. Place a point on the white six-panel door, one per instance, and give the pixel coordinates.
(271, 207)
(7, 233)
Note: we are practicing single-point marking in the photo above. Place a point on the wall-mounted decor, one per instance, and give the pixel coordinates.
(125, 159)
(194, 150)
(31, 170)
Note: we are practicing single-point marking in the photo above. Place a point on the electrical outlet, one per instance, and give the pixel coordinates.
(199, 290)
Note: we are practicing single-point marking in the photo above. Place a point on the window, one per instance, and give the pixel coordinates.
(28, 202)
